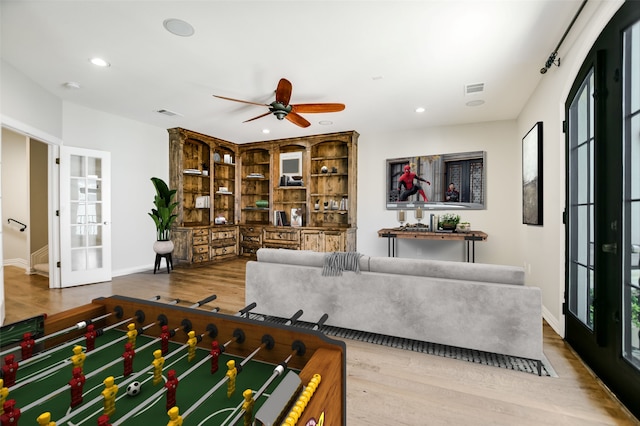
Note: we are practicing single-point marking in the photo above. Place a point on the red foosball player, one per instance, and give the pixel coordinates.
(90, 337)
(172, 387)
(103, 420)
(77, 385)
(44, 419)
(11, 414)
(128, 355)
(27, 345)
(165, 335)
(215, 355)
(4, 393)
(9, 370)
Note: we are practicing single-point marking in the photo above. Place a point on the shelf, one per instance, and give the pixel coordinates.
(256, 209)
(339, 157)
(329, 211)
(292, 187)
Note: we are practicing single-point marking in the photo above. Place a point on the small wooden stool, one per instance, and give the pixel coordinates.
(167, 257)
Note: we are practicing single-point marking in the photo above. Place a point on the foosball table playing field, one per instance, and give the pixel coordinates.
(126, 361)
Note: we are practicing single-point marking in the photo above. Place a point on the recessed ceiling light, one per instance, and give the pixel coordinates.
(99, 62)
(475, 103)
(420, 109)
(325, 122)
(178, 27)
(265, 131)
(71, 85)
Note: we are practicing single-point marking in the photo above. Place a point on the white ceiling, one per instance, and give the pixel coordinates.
(380, 58)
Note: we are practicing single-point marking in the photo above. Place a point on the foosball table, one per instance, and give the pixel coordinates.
(120, 360)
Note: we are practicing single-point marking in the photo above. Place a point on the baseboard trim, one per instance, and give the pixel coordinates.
(553, 322)
(20, 263)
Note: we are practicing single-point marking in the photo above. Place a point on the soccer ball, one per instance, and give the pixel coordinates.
(133, 389)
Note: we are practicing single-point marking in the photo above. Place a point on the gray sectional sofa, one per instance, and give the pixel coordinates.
(469, 305)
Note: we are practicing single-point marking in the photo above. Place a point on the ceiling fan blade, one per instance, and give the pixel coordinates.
(311, 108)
(298, 120)
(260, 116)
(283, 92)
(238, 100)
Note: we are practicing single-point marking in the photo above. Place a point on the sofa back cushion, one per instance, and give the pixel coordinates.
(498, 274)
(300, 257)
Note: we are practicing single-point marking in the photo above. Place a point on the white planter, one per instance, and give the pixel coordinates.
(163, 247)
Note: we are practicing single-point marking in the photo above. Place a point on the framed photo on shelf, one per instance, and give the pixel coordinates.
(532, 211)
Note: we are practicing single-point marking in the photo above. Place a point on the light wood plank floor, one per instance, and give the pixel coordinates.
(385, 386)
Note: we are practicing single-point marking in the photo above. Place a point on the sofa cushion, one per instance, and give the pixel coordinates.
(300, 257)
(497, 274)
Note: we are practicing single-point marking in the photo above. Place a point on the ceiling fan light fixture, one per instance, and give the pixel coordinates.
(178, 27)
(99, 62)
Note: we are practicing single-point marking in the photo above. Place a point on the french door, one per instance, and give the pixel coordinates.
(602, 307)
(85, 210)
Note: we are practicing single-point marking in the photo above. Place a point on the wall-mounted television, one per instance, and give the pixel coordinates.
(291, 163)
(437, 182)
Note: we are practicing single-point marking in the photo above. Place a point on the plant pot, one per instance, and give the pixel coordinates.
(449, 225)
(163, 247)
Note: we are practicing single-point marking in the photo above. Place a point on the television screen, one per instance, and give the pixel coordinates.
(291, 166)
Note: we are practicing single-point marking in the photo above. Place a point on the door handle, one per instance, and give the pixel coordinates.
(635, 248)
(610, 248)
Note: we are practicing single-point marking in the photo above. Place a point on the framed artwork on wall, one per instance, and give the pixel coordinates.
(532, 211)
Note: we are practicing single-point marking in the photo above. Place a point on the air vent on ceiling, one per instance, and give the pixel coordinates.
(168, 112)
(471, 89)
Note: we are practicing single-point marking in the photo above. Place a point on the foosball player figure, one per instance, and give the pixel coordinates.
(192, 342)
(90, 337)
(132, 334)
(175, 419)
(158, 363)
(247, 406)
(215, 355)
(4, 393)
(103, 420)
(11, 414)
(165, 335)
(27, 345)
(128, 355)
(232, 372)
(9, 370)
(109, 394)
(44, 419)
(78, 357)
(77, 385)
(172, 387)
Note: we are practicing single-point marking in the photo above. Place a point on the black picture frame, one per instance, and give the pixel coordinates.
(532, 176)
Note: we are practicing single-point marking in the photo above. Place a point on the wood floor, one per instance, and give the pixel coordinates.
(385, 386)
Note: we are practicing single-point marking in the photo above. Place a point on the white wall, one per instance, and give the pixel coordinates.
(15, 187)
(503, 186)
(138, 152)
(544, 247)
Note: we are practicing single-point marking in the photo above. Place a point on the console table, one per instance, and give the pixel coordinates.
(392, 234)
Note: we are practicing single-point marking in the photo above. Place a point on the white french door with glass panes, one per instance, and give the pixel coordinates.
(85, 216)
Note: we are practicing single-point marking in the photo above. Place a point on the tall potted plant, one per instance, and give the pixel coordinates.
(163, 215)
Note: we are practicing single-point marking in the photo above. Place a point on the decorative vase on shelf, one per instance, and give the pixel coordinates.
(163, 247)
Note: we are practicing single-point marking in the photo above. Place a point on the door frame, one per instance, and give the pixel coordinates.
(53, 144)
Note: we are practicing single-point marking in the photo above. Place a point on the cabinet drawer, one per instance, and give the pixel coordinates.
(244, 238)
(222, 235)
(201, 257)
(200, 240)
(249, 250)
(200, 249)
(251, 230)
(221, 251)
(199, 232)
(282, 235)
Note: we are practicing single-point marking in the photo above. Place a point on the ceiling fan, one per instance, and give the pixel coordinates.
(281, 108)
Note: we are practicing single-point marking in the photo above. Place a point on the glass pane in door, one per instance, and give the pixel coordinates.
(85, 213)
(581, 203)
(631, 191)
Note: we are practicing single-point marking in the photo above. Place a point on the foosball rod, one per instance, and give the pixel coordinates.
(320, 322)
(298, 349)
(294, 318)
(246, 309)
(203, 301)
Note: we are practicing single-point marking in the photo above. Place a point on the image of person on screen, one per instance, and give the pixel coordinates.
(408, 181)
(452, 194)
